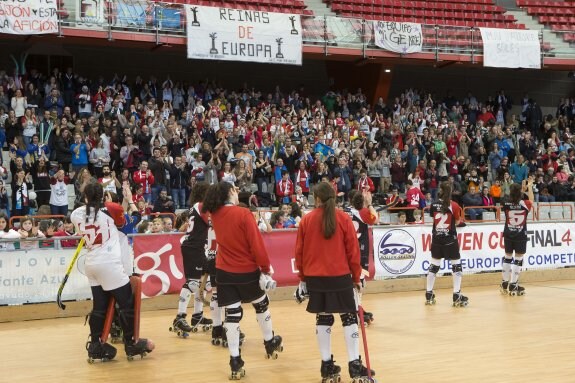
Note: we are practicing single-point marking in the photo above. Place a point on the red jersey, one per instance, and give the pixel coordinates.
(413, 197)
(316, 256)
(141, 177)
(365, 184)
(240, 244)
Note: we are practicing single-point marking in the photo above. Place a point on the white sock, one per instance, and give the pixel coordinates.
(198, 304)
(506, 268)
(215, 310)
(323, 334)
(516, 269)
(265, 320)
(457, 275)
(233, 335)
(185, 296)
(351, 334)
(430, 275)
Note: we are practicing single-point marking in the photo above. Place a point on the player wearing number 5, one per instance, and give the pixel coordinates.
(445, 214)
(515, 236)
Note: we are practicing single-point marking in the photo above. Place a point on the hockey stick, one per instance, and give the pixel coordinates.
(364, 337)
(202, 288)
(70, 266)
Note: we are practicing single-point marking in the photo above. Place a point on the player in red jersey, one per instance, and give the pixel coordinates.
(195, 250)
(445, 214)
(243, 271)
(515, 236)
(328, 259)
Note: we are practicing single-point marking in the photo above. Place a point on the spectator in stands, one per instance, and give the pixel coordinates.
(67, 230)
(21, 186)
(80, 153)
(4, 201)
(284, 188)
(365, 183)
(486, 197)
(519, 170)
(163, 203)
(244, 176)
(99, 158)
(145, 178)
(54, 102)
(472, 198)
(179, 177)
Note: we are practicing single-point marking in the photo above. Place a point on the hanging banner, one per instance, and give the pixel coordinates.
(511, 48)
(406, 251)
(397, 37)
(29, 17)
(243, 35)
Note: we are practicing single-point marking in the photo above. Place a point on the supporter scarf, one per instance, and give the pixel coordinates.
(303, 177)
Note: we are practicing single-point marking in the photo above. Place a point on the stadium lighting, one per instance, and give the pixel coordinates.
(388, 71)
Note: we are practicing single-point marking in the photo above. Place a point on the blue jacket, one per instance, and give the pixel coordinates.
(518, 172)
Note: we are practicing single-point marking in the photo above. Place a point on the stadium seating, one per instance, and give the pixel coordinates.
(558, 15)
(471, 13)
(281, 6)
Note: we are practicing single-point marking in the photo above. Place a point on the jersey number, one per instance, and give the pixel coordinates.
(516, 218)
(95, 235)
(441, 220)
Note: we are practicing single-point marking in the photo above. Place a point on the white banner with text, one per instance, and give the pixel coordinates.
(243, 35)
(29, 17)
(406, 251)
(511, 48)
(398, 37)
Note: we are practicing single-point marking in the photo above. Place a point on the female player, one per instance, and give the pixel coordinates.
(328, 259)
(105, 272)
(242, 271)
(445, 213)
(515, 236)
(194, 257)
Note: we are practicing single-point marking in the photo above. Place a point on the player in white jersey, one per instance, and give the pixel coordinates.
(105, 272)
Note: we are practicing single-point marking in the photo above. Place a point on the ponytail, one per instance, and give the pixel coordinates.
(326, 194)
(94, 194)
(445, 195)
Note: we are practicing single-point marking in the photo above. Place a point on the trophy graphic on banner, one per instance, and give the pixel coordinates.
(279, 55)
(213, 36)
(195, 23)
(293, 30)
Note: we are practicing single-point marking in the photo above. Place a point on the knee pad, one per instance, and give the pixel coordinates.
(324, 320)
(262, 306)
(193, 285)
(214, 297)
(433, 268)
(457, 268)
(507, 260)
(234, 314)
(518, 262)
(348, 319)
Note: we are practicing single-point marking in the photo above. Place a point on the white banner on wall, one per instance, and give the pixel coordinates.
(511, 48)
(34, 276)
(29, 17)
(398, 37)
(406, 251)
(243, 35)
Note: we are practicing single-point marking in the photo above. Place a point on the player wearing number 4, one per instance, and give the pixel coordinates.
(444, 244)
(515, 236)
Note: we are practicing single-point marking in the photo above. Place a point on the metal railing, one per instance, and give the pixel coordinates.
(330, 33)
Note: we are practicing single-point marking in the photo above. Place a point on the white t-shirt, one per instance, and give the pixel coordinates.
(101, 236)
(59, 195)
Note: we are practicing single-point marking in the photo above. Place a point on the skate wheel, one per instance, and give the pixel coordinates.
(90, 361)
(195, 330)
(171, 329)
(130, 358)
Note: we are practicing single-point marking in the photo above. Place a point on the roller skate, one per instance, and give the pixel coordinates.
(218, 335)
(358, 372)
(460, 300)
(224, 338)
(503, 287)
(100, 351)
(273, 347)
(237, 366)
(330, 372)
(516, 290)
(181, 327)
(116, 333)
(430, 298)
(199, 322)
(142, 347)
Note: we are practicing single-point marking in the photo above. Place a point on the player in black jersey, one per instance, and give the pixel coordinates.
(362, 215)
(515, 236)
(445, 214)
(194, 248)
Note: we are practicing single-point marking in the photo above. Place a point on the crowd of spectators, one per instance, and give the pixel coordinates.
(161, 137)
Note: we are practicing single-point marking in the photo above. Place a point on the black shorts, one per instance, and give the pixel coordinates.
(519, 246)
(194, 260)
(448, 250)
(331, 295)
(234, 288)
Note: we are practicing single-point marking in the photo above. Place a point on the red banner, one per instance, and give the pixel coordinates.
(159, 259)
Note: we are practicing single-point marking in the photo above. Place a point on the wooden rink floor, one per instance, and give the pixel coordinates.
(496, 339)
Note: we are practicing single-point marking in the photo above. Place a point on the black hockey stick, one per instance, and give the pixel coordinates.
(70, 266)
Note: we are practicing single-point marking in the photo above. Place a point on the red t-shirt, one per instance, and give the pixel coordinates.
(319, 257)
